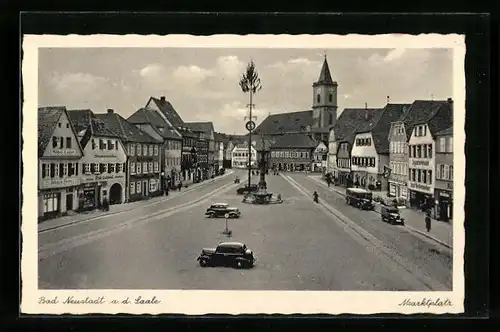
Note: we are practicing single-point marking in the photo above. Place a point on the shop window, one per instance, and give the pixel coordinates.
(50, 202)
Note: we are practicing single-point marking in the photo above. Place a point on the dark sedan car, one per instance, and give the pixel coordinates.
(221, 210)
(233, 254)
(247, 189)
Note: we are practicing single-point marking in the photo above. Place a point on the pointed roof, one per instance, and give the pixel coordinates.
(380, 125)
(151, 117)
(48, 117)
(325, 77)
(168, 110)
(85, 118)
(294, 141)
(447, 132)
(350, 119)
(437, 114)
(285, 123)
(204, 127)
(125, 130)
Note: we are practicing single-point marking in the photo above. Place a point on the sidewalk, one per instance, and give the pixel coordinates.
(441, 232)
(119, 208)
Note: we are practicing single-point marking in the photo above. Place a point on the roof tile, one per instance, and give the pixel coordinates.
(124, 129)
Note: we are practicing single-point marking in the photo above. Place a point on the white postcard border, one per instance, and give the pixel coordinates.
(234, 302)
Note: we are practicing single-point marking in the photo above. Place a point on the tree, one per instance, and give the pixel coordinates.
(250, 82)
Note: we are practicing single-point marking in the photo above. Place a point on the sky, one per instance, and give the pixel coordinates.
(202, 84)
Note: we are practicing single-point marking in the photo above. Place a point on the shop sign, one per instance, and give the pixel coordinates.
(421, 187)
(444, 194)
(420, 162)
(62, 152)
(100, 177)
(58, 183)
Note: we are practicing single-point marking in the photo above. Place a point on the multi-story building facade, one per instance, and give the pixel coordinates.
(422, 121)
(103, 161)
(421, 161)
(292, 152)
(398, 161)
(443, 190)
(343, 164)
(370, 152)
(239, 156)
(202, 170)
(320, 155)
(140, 148)
(205, 131)
(170, 153)
(59, 170)
(189, 155)
(344, 131)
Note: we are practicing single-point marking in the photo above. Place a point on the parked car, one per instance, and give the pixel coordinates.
(247, 189)
(391, 215)
(359, 198)
(233, 254)
(221, 209)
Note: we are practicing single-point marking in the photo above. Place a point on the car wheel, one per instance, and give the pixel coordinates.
(203, 263)
(239, 264)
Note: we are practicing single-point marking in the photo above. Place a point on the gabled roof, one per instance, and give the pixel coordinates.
(437, 114)
(84, 119)
(204, 127)
(168, 110)
(447, 132)
(350, 119)
(125, 130)
(294, 141)
(285, 123)
(324, 76)
(48, 118)
(151, 117)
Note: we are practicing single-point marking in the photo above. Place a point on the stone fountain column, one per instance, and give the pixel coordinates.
(262, 181)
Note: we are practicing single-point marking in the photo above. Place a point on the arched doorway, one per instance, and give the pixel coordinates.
(115, 194)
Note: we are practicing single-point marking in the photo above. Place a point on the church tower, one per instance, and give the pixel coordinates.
(324, 99)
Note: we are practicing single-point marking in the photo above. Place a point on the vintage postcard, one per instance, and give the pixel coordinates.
(258, 174)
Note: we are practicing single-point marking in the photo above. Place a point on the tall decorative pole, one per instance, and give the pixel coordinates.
(250, 82)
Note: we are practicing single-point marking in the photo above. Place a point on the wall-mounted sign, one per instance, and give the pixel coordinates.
(100, 177)
(421, 187)
(420, 162)
(62, 152)
(111, 155)
(58, 183)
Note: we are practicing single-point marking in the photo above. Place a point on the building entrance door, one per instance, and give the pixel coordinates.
(145, 190)
(69, 202)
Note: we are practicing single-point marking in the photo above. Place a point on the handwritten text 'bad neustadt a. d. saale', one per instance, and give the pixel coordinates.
(99, 300)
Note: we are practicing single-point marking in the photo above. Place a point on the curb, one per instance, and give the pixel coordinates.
(123, 211)
(409, 227)
(429, 236)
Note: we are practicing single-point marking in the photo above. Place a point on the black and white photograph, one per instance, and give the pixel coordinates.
(190, 174)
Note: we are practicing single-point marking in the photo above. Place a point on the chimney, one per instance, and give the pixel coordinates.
(450, 102)
(388, 98)
(110, 111)
(162, 99)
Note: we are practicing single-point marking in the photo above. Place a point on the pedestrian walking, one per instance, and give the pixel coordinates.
(179, 186)
(428, 223)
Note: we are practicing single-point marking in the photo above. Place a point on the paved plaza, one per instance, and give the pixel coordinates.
(299, 245)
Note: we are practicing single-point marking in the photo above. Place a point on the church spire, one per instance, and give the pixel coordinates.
(324, 76)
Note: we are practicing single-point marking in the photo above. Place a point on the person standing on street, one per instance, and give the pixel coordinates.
(427, 222)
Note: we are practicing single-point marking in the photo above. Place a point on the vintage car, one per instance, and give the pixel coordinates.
(359, 198)
(233, 254)
(237, 180)
(391, 215)
(247, 189)
(221, 210)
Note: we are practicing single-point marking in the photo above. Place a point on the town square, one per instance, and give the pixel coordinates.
(253, 169)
